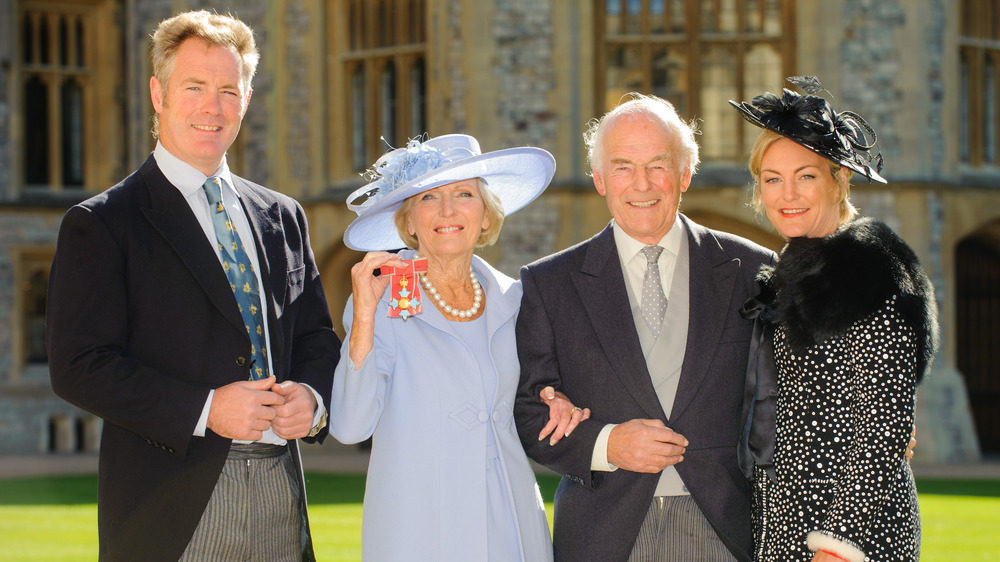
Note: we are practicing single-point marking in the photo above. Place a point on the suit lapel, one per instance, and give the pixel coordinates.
(496, 285)
(601, 285)
(264, 219)
(713, 274)
(171, 216)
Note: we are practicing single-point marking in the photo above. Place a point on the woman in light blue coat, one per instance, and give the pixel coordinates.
(433, 379)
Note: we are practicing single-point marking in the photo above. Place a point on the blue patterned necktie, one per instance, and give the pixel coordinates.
(242, 279)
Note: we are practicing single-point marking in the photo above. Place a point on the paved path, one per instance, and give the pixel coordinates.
(334, 457)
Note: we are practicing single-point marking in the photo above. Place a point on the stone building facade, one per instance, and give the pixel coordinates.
(337, 76)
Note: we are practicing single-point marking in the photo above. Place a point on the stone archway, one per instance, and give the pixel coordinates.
(977, 299)
(765, 236)
(335, 272)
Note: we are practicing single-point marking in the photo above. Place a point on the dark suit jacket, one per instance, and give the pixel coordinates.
(576, 333)
(141, 324)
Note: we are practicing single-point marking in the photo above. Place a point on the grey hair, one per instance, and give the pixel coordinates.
(654, 109)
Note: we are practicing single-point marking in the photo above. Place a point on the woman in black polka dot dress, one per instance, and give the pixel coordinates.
(850, 319)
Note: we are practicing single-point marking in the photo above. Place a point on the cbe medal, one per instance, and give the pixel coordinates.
(404, 300)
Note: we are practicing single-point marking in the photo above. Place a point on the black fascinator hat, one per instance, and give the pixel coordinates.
(845, 137)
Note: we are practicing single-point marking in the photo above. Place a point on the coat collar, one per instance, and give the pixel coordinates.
(272, 253)
(501, 305)
(170, 215)
(601, 284)
(264, 217)
(826, 285)
(712, 278)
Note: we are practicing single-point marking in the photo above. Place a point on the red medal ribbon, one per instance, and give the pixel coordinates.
(404, 300)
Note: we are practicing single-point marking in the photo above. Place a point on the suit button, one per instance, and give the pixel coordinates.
(241, 361)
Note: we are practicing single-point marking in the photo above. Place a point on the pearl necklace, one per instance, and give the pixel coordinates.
(477, 300)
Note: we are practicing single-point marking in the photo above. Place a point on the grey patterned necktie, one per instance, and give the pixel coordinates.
(654, 303)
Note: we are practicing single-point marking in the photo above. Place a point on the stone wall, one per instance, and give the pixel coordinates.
(146, 15)
(454, 107)
(525, 71)
(528, 235)
(944, 416)
(18, 229)
(298, 136)
(27, 403)
(33, 420)
(255, 130)
(935, 52)
(7, 20)
(871, 65)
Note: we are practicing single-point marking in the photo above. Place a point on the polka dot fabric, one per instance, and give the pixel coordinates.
(845, 414)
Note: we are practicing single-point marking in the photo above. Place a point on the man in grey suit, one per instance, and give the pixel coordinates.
(641, 324)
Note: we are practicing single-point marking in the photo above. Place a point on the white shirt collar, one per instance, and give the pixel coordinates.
(185, 177)
(628, 247)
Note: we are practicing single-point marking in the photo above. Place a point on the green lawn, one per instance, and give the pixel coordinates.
(55, 519)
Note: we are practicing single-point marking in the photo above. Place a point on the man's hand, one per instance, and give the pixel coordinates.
(294, 418)
(645, 446)
(243, 410)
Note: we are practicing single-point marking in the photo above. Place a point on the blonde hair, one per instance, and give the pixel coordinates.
(765, 139)
(217, 30)
(493, 212)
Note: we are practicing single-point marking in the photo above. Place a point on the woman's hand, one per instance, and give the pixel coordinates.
(563, 415)
(367, 290)
(366, 286)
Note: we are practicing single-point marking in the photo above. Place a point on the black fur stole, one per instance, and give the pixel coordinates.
(822, 286)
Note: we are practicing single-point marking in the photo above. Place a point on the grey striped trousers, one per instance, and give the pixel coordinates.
(675, 530)
(254, 513)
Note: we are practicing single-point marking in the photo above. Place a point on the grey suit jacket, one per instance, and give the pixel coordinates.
(141, 324)
(576, 333)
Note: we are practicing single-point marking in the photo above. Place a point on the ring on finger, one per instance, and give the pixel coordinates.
(576, 409)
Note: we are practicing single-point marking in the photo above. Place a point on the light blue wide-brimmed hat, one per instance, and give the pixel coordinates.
(516, 175)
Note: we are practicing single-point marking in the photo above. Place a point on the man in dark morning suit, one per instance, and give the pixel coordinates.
(148, 326)
(653, 474)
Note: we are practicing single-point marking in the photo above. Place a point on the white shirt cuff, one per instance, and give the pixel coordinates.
(199, 430)
(599, 460)
(320, 414)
